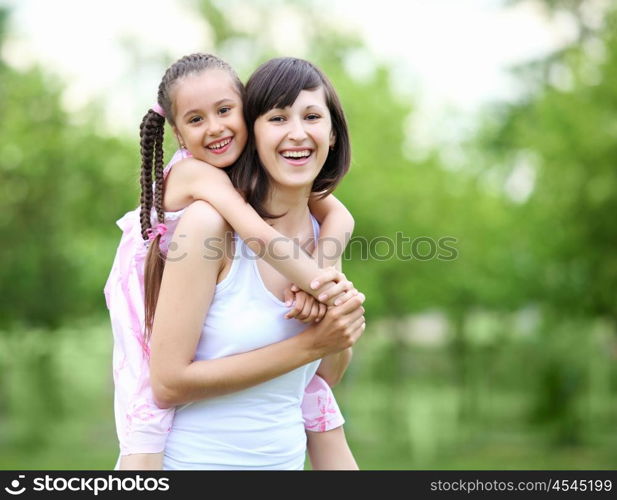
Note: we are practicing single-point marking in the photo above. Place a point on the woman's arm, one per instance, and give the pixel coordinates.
(192, 179)
(187, 289)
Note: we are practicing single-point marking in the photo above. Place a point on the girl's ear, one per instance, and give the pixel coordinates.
(178, 137)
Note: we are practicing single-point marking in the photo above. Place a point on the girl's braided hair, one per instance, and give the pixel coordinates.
(151, 133)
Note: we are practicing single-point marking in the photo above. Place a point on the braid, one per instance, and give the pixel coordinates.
(151, 133)
(158, 175)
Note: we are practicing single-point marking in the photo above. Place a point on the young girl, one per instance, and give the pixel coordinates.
(202, 99)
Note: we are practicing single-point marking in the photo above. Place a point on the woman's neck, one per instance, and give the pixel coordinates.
(293, 203)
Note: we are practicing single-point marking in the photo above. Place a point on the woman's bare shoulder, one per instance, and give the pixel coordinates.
(202, 218)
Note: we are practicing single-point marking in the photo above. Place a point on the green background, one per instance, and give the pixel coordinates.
(502, 358)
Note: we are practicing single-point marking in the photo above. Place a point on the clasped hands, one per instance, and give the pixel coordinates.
(333, 289)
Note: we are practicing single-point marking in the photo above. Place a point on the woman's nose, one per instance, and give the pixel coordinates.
(296, 130)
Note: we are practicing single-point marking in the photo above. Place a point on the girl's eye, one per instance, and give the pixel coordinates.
(195, 119)
(224, 110)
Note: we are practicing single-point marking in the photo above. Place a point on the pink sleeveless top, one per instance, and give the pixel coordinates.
(143, 427)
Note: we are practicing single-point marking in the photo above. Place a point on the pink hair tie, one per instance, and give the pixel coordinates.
(158, 109)
(159, 229)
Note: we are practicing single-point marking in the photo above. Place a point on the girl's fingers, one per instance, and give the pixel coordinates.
(354, 303)
(344, 297)
(333, 291)
(329, 274)
(322, 312)
(288, 297)
(306, 309)
(314, 312)
(297, 307)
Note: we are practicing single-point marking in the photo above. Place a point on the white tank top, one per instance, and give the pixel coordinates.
(257, 428)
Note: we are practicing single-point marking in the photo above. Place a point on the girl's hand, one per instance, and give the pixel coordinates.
(333, 286)
(304, 307)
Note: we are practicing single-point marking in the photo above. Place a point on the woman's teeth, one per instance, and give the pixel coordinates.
(296, 154)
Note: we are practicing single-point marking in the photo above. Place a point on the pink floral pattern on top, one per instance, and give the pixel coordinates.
(319, 408)
(142, 427)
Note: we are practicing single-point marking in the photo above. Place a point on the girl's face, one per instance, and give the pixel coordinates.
(293, 142)
(208, 117)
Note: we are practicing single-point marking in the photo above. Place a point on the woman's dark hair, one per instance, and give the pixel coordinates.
(277, 84)
(151, 133)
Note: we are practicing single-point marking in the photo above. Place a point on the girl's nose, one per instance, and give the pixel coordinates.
(215, 127)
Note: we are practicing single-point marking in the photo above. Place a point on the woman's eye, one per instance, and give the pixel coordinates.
(276, 119)
(312, 116)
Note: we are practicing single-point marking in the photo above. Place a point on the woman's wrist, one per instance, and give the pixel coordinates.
(306, 345)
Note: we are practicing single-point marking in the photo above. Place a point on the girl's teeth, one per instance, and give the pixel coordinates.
(220, 144)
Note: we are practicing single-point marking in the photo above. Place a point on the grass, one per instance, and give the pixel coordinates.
(413, 423)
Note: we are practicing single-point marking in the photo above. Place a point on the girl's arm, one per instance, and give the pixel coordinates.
(333, 367)
(337, 225)
(142, 461)
(205, 182)
(329, 450)
(336, 229)
(186, 291)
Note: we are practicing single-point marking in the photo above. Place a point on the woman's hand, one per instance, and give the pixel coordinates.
(340, 328)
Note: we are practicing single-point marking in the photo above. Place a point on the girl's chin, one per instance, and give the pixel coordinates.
(214, 160)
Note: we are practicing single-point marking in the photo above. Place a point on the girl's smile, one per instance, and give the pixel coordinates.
(220, 146)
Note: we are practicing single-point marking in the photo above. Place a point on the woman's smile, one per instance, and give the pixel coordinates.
(297, 156)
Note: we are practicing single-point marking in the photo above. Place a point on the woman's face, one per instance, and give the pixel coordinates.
(208, 117)
(293, 143)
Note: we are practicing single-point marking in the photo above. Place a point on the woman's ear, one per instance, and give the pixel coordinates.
(332, 139)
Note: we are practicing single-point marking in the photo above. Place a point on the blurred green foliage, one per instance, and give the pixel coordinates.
(514, 367)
